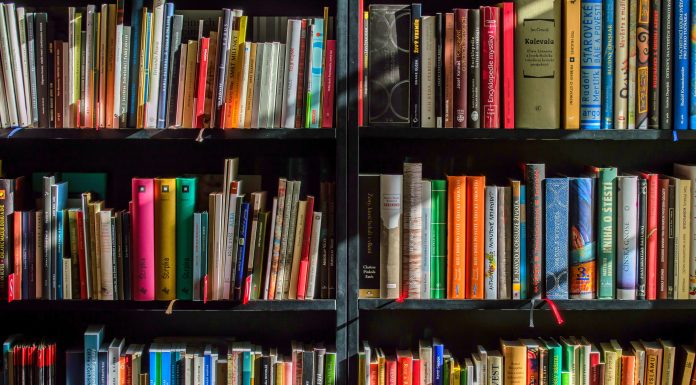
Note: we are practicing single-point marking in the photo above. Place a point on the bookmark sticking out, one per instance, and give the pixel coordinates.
(247, 290)
(14, 131)
(556, 312)
(205, 288)
(170, 308)
(400, 299)
(199, 137)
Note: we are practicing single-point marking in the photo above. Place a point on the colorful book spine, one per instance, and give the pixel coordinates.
(143, 197)
(202, 74)
(642, 60)
(438, 248)
(556, 211)
(591, 66)
(474, 70)
(608, 60)
(185, 205)
(490, 66)
(507, 48)
(655, 65)
(524, 280)
(652, 235)
(621, 78)
(329, 85)
(627, 221)
(92, 341)
(136, 31)
(642, 238)
(606, 236)
(426, 214)
(456, 237)
(242, 250)
(315, 75)
(666, 69)
(438, 363)
(461, 58)
(491, 260)
(415, 81)
(390, 240)
(682, 27)
(516, 241)
(475, 208)
(534, 178)
(571, 67)
(413, 227)
(632, 91)
(164, 73)
(165, 239)
(582, 271)
(692, 65)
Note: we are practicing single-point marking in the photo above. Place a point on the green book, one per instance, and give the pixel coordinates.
(438, 239)
(204, 251)
(555, 360)
(446, 367)
(330, 368)
(185, 205)
(606, 236)
(570, 357)
(565, 378)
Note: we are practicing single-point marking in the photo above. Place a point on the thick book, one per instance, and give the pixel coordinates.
(688, 172)
(165, 239)
(534, 179)
(557, 221)
(606, 230)
(439, 69)
(328, 85)
(426, 214)
(315, 74)
(185, 205)
(538, 35)
(516, 233)
(461, 66)
(475, 224)
(491, 260)
(290, 82)
(389, 46)
(143, 214)
(654, 63)
(16, 69)
(621, 76)
(490, 67)
(8, 76)
(642, 60)
(416, 64)
(681, 80)
(474, 69)
(631, 99)
(662, 237)
(626, 250)
(438, 239)
(504, 242)
(507, 69)
(591, 65)
(582, 272)
(666, 68)
(390, 235)
(571, 64)
(456, 262)
(412, 230)
(651, 234)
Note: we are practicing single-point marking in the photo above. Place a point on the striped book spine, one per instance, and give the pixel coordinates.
(438, 240)
(591, 65)
(608, 64)
(557, 238)
(412, 228)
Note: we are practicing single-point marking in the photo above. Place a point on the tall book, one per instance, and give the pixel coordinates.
(456, 237)
(475, 224)
(504, 242)
(666, 59)
(681, 52)
(155, 58)
(654, 63)
(631, 99)
(439, 69)
(538, 34)
(143, 213)
(507, 75)
(556, 211)
(591, 66)
(369, 236)
(688, 172)
(682, 246)
(516, 235)
(412, 230)
(474, 69)
(534, 179)
(438, 238)
(447, 68)
(390, 235)
(621, 76)
(642, 63)
(168, 16)
(426, 214)
(461, 63)
(8, 74)
(571, 67)
(133, 82)
(491, 259)
(290, 82)
(174, 78)
(416, 71)
(427, 78)
(606, 230)
(582, 273)
(165, 239)
(43, 71)
(490, 67)
(627, 220)
(16, 68)
(185, 205)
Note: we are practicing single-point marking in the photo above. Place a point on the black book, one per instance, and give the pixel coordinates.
(224, 32)
(6, 234)
(175, 58)
(308, 368)
(114, 259)
(266, 371)
(654, 66)
(31, 56)
(29, 233)
(474, 73)
(323, 242)
(534, 180)
(126, 252)
(26, 273)
(118, 242)
(74, 257)
(103, 365)
(671, 246)
(642, 236)
(331, 230)
(369, 217)
(439, 70)
(416, 10)
(319, 359)
(389, 65)
(666, 61)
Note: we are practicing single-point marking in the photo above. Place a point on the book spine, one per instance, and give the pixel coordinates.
(175, 71)
(627, 221)
(152, 100)
(632, 89)
(608, 62)
(315, 75)
(362, 26)
(6, 234)
(364, 68)
(427, 79)
(524, 281)
(225, 40)
(144, 244)
(654, 63)
(571, 73)
(412, 230)
(416, 70)
(390, 235)
(557, 220)
(474, 70)
(491, 260)
(241, 253)
(461, 62)
(504, 243)
(662, 238)
(591, 66)
(681, 64)
(438, 246)
(313, 257)
(672, 246)
(606, 237)
(642, 64)
(666, 58)
(621, 76)
(516, 224)
(507, 36)
(582, 273)
(456, 263)
(642, 237)
(652, 236)
(490, 71)
(42, 77)
(106, 291)
(426, 213)
(328, 85)
(109, 25)
(439, 69)
(201, 74)
(683, 195)
(24, 63)
(475, 201)
(301, 76)
(31, 51)
(8, 77)
(15, 57)
(535, 174)
(122, 107)
(369, 233)
(447, 67)
(165, 66)
(133, 82)
(115, 117)
(290, 83)
(185, 205)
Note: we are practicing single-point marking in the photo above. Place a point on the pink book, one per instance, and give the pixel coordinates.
(508, 66)
(143, 217)
(490, 67)
(306, 240)
(328, 84)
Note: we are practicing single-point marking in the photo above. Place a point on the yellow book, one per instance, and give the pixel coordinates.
(165, 239)
(688, 355)
(571, 68)
(110, 66)
(280, 373)
(515, 361)
(103, 49)
(191, 53)
(683, 228)
(238, 74)
(250, 87)
(381, 367)
(230, 81)
(95, 249)
(611, 359)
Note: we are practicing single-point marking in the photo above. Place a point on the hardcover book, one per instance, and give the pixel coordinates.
(412, 228)
(144, 245)
(591, 66)
(165, 239)
(456, 237)
(490, 67)
(474, 70)
(621, 70)
(556, 209)
(681, 97)
(475, 224)
(491, 259)
(582, 265)
(416, 64)
(390, 235)
(534, 178)
(571, 68)
(642, 60)
(438, 248)
(461, 66)
(369, 236)
(606, 230)
(627, 221)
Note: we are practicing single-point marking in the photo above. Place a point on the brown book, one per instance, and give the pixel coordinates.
(653, 363)
(58, 84)
(461, 40)
(662, 237)
(110, 65)
(449, 70)
(515, 362)
(189, 84)
(299, 116)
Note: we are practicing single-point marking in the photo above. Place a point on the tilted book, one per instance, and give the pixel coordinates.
(156, 64)
(556, 211)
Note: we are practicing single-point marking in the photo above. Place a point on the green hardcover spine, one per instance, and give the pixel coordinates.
(185, 205)
(555, 361)
(330, 368)
(565, 378)
(438, 246)
(606, 237)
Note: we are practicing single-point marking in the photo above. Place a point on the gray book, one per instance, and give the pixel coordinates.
(260, 53)
(278, 106)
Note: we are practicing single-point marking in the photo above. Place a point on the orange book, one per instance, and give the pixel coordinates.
(456, 237)
(628, 375)
(475, 194)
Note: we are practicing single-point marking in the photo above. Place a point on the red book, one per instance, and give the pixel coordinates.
(391, 371)
(299, 108)
(329, 85)
(663, 237)
(595, 368)
(404, 370)
(129, 369)
(81, 254)
(461, 52)
(17, 254)
(202, 73)
(651, 252)
(360, 62)
(143, 239)
(415, 378)
(507, 35)
(306, 240)
(58, 82)
(374, 373)
(490, 67)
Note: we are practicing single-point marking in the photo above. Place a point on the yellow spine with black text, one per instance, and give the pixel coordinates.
(165, 239)
(571, 68)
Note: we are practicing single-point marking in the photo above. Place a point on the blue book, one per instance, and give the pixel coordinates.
(166, 366)
(608, 64)
(681, 64)
(438, 362)
(582, 271)
(556, 231)
(154, 364)
(591, 65)
(207, 368)
(316, 71)
(164, 71)
(74, 367)
(92, 342)
(246, 367)
(241, 266)
(136, 22)
(176, 368)
(60, 248)
(103, 364)
(523, 243)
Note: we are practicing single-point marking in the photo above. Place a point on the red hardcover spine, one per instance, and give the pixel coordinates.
(404, 370)
(17, 255)
(594, 368)
(415, 378)
(299, 116)
(306, 240)
(374, 373)
(449, 70)
(360, 62)
(143, 236)
(391, 369)
(490, 67)
(81, 255)
(651, 255)
(508, 64)
(461, 42)
(200, 86)
(329, 85)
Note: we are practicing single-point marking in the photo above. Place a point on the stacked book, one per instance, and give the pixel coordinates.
(167, 69)
(71, 246)
(602, 234)
(591, 64)
(28, 362)
(543, 361)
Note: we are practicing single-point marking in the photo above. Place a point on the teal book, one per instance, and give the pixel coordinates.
(438, 240)
(185, 205)
(204, 251)
(555, 361)
(246, 368)
(316, 71)
(92, 341)
(606, 230)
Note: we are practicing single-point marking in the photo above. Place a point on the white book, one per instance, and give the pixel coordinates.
(89, 65)
(264, 85)
(231, 233)
(292, 58)
(412, 229)
(632, 24)
(428, 72)
(390, 187)
(269, 251)
(687, 171)
(67, 118)
(258, 73)
(244, 83)
(426, 207)
(180, 89)
(22, 27)
(197, 252)
(7, 72)
(115, 119)
(313, 256)
(16, 59)
(621, 65)
(155, 63)
(113, 357)
(280, 71)
(425, 350)
(4, 103)
(31, 49)
(106, 255)
(269, 101)
(682, 244)
(103, 38)
(491, 257)
(626, 237)
(125, 73)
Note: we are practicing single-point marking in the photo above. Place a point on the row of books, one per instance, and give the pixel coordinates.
(601, 235)
(162, 248)
(543, 361)
(28, 362)
(189, 69)
(591, 64)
